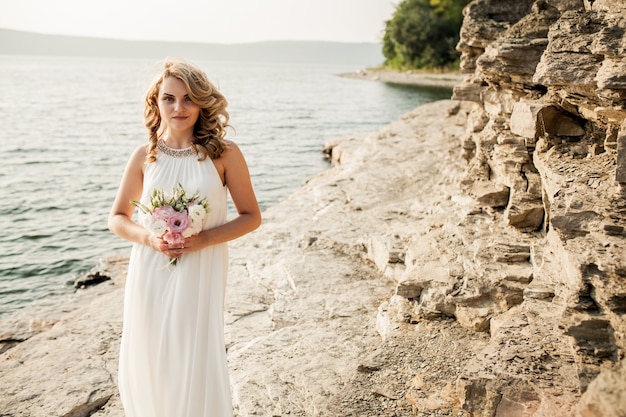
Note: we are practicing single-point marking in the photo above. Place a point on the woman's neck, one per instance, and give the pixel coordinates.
(178, 140)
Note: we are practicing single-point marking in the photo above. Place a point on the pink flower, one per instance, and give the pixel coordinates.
(163, 212)
(173, 238)
(177, 222)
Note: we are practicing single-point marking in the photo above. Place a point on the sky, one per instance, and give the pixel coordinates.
(211, 21)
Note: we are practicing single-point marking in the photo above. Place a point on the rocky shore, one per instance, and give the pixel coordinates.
(307, 300)
(303, 313)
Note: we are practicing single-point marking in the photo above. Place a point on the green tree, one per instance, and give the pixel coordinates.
(422, 34)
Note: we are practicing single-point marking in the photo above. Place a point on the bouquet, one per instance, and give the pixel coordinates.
(174, 217)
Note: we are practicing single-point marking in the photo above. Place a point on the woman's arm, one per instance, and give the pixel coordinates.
(131, 186)
(234, 170)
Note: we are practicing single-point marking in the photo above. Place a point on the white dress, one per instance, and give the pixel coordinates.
(172, 355)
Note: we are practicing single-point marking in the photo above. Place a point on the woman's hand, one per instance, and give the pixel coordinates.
(195, 242)
(172, 250)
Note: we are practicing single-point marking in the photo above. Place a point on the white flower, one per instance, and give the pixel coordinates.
(157, 226)
(196, 213)
(197, 223)
(193, 229)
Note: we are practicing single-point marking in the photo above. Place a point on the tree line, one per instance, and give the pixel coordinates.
(423, 34)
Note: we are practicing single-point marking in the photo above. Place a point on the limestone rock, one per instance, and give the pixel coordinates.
(620, 171)
(68, 370)
(489, 194)
(553, 78)
(603, 397)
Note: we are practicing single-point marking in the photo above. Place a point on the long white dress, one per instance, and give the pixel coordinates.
(172, 356)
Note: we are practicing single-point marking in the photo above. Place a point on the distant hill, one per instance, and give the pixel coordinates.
(13, 42)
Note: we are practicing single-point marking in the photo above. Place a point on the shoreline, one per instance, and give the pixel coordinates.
(20, 325)
(449, 80)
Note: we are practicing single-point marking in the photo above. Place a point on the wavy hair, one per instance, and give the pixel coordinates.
(210, 128)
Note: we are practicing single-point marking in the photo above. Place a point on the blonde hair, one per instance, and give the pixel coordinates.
(210, 128)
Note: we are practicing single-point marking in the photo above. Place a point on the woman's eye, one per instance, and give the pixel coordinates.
(187, 99)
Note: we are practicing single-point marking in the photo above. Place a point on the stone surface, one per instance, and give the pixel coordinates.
(68, 369)
(620, 171)
(561, 64)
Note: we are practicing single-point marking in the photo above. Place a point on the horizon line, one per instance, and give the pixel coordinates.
(184, 41)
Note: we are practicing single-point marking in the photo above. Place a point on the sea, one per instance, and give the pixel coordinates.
(69, 124)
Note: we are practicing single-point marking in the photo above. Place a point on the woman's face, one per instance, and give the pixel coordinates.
(177, 110)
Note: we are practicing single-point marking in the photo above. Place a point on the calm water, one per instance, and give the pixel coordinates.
(68, 126)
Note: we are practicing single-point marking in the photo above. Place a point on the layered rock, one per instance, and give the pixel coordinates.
(546, 166)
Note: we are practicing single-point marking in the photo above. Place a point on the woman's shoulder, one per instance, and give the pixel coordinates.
(141, 150)
(139, 155)
(231, 157)
(231, 150)
(230, 144)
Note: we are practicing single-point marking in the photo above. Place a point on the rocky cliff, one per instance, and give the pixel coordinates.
(542, 265)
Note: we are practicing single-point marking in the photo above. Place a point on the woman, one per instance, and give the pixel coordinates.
(172, 356)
